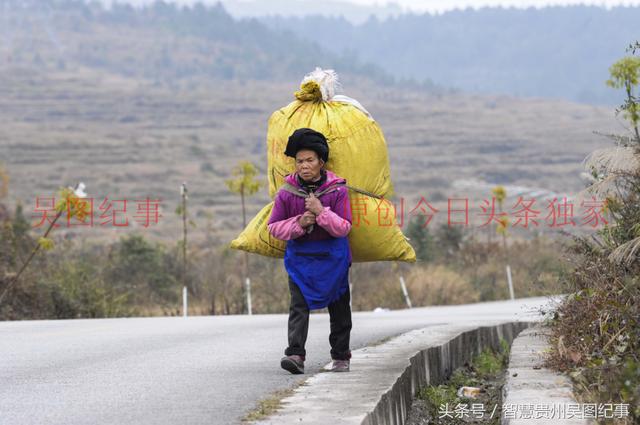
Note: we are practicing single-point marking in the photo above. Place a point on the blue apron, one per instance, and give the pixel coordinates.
(320, 269)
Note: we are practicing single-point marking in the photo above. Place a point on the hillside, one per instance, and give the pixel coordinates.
(129, 139)
(559, 52)
(163, 43)
(82, 100)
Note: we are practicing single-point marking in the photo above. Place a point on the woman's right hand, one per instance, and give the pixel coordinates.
(307, 219)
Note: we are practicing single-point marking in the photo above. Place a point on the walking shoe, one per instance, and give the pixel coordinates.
(340, 366)
(293, 363)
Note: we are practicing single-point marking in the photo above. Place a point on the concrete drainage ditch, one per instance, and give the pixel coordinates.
(384, 378)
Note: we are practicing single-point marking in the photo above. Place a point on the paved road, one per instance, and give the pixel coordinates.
(174, 370)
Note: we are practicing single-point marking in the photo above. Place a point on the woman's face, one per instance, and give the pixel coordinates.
(308, 165)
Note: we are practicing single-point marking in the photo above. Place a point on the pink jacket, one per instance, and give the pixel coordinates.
(334, 221)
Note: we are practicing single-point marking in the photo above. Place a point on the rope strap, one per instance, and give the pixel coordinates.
(301, 193)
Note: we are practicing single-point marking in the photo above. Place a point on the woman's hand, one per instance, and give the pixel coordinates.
(313, 204)
(307, 219)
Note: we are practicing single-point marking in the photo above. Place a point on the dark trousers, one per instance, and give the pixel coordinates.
(339, 317)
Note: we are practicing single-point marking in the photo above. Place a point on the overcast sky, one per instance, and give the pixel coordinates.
(440, 5)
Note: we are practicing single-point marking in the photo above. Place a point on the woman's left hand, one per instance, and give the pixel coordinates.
(313, 204)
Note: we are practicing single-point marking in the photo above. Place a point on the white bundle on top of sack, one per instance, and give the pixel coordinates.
(358, 153)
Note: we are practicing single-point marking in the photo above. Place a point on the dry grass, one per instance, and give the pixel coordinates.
(270, 405)
(595, 331)
(439, 285)
(128, 138)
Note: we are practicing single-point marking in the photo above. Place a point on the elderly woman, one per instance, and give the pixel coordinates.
(312, 213)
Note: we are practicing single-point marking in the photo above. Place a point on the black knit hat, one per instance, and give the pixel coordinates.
(306, 138)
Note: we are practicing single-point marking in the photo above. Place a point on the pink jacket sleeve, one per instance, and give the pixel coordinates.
(287, 229)
(335, 225)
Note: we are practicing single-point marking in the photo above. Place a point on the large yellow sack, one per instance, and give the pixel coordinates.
(357, 148)
(357, 152)
(256, 237)
(374, 234)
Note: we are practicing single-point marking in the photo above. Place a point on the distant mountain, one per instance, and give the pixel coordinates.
(354, 13)
(562, 52)
(161, 42)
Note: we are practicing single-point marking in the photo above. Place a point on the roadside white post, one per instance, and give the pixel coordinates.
(248, 286)
(404, 291)
(183, 194)
(510, 282)
(184, 301)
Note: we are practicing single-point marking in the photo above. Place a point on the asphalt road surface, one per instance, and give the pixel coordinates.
(175, 370)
